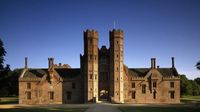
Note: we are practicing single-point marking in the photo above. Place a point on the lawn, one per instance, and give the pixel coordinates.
(43, 110)
(8, 100)
(159, 109)
(190, 99)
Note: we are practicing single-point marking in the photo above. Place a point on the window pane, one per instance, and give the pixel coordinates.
(51, 95)
(133, 94)
(73, 85)
(154, 84)
(69, 95)
(28, 85)
(143, 89)
(172, 84)
(28, 95)
(133, 84)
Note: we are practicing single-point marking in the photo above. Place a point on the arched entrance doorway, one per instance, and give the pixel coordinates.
(103, 96)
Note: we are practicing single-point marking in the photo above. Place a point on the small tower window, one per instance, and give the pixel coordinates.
(90, 57)
(133, 84)
(28, 85)
(95, 77)
(90, 41)
(90, 76)
(95, 57)
(73, 85)
(172, 84)
(172, 94)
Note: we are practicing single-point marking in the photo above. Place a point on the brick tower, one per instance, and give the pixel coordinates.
(116, 66)
(91, 65)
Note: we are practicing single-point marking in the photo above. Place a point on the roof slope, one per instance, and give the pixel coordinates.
(63, 72)
(142, 72)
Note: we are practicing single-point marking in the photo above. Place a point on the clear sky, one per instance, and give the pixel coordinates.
(40, 29)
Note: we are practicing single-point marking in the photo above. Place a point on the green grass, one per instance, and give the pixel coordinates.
(8, 100)
(159, 109)
(190, 99)
(193, 101)
(44, 110)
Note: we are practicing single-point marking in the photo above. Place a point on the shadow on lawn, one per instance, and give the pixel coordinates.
(44, 110)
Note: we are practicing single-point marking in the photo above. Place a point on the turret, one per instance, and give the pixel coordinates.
(116, 66)
(91, 65)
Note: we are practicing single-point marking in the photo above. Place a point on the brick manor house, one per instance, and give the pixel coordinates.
(102, 76)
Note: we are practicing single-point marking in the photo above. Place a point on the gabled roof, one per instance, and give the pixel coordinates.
(35, 73)
(63, 72)
(68, 73)
(142, 72)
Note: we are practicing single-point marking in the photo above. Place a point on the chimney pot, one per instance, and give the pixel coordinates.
(51, 62)
(60, 64)
(153, 62)
(173, 62)
(26, 63)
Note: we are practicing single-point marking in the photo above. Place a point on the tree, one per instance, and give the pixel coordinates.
(197, 80)
(198, 65)
(189, 87)
(2, 54)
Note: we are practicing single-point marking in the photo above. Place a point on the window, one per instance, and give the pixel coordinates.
(143, 89)
(95, 57)
(172, 84)
(51, 95)
(133, 84)
(73, 85)
(154, 95)
(117, 42)
(90, 57)
(117, 55)
(133, 94)
(28, 95)
(69, 95)
(172, 94)
(28, 85)
(90, 76)
(95, 77)
(90, 41)
(154, 84)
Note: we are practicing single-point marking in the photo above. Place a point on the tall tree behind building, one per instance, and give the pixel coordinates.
(2, 54)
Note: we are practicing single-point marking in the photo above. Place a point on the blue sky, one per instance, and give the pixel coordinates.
(40, 29)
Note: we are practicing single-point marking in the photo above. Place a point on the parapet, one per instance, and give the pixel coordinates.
(91, 33)
(116, 33)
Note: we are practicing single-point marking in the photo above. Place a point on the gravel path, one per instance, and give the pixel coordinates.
(103, 108)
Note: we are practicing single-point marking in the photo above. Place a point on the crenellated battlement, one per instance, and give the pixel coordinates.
(117, 33)
(91, 33)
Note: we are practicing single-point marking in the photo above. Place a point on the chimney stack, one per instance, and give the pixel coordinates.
(51, 62)
(173, 62)
(153, 63)
(26, 63)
